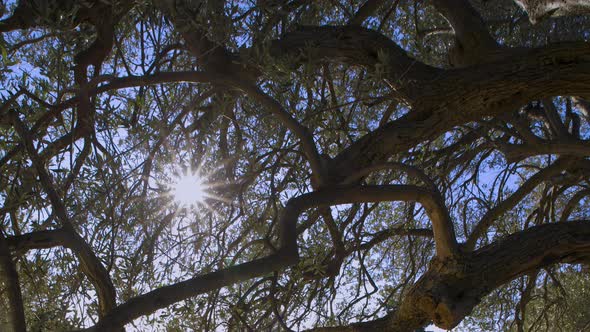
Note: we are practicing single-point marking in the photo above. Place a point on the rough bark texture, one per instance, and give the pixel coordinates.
(11, 302)
(451, 288)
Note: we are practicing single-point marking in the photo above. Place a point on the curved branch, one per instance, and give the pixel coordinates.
(305, 136)
(353, 45)
(450, 289)
(467, 24)
(442, 227)
(468, 94)
(473, 42)
(287, 252)
(89, 262)
(572, 203)
(539, 10)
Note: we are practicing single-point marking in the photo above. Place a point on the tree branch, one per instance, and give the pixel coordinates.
(539, 10)
(570, 147)
(10, 290)
(468, 94)
(572, 203)
(89, 263)
(450, 289)
(527, 187)
(353, 45)
(287, 252)
(410, 170)
(39, 240)
(473, 42)
(305, 136)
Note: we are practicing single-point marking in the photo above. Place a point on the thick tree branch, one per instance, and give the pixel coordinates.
(473, 43)
(468, 94)
(287, 252)
(569, 147)
(450, 289)
(353, 45)
(467, 24)
(39, 240)
(14, 318)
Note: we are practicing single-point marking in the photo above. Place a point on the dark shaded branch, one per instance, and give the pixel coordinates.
(571, 147)
(525, 297)
(554, 120)
(410, 170)
(391, 232)
(89, 262)
(473, 42)
(353, 45)
(39, 240)
(450, 289)
(468, 94)
(157, 78)
(573, 203)
(10, 290)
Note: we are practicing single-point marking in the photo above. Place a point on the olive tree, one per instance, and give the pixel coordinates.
(377, 165)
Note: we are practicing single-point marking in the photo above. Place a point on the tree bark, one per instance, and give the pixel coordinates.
(287, 254)
(451, 288)
(11, 301)
(468, 94)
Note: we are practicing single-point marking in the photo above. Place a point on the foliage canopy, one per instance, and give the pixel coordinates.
(360, 165)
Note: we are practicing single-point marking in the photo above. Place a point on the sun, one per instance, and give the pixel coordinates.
(190, 190)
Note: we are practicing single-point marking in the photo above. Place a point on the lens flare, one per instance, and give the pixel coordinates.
(190, 190)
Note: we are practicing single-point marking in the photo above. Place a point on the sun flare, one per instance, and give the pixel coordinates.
(190, 190)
